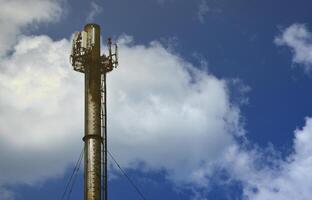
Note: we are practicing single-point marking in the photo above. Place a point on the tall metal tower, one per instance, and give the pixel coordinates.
(86, 58)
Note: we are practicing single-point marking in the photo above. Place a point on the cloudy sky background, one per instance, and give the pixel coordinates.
(210, 101)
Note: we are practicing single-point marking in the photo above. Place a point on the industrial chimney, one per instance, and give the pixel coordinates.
(86, 58)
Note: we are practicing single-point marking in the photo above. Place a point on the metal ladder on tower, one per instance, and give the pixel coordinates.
(104, 167)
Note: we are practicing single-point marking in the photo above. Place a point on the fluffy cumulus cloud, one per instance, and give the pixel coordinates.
(17, 114)
(266, 176)
(172, 116)
(169, 114)
(298, 38)
(16, 15)
(37, 120)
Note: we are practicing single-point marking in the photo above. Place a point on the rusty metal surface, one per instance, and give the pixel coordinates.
(92, 176)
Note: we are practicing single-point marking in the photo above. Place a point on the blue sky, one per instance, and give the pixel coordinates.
(210, 101)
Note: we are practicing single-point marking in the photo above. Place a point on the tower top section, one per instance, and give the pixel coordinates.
(92, 25)
(86, 50)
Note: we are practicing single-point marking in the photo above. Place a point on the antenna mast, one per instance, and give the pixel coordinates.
(86, 58)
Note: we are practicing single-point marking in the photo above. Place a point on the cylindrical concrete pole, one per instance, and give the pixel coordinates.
(92, 138)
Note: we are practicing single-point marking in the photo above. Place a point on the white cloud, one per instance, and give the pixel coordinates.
(38, 122)
(16, 15)
(169, 114)
(298, 38)
(28, 98)
(95, 10)
(283, 179)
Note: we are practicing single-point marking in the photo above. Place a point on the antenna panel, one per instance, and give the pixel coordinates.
(74, 42)
(84, 39)
(93, 36)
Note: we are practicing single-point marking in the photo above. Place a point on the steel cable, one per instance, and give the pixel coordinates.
(71, 180)
(128, 178)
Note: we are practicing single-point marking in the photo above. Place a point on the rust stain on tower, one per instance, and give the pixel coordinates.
(86, 58)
